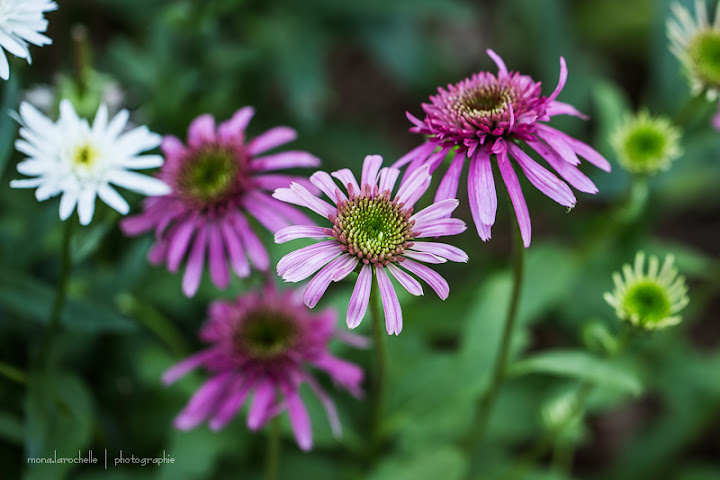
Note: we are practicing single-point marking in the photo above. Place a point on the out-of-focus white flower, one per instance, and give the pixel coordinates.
(21, 23)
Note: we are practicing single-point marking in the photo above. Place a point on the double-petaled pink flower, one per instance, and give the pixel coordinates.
(488, 117)
(217, 180)
(262, 345)
(371, 230)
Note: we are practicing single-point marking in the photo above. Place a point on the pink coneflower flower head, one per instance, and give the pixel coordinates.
(373, 231)
(218, 179)
(262, 345)
(488, 117)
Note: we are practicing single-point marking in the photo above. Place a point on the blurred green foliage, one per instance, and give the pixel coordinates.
(343, 74)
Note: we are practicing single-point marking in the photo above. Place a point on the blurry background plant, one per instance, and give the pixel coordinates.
(343, 74)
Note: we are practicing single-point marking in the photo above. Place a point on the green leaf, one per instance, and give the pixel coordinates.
(7, 124)
(58, 412)
(582, 366)
(33, 299)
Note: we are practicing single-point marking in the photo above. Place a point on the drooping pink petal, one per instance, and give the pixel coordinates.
(263, 399)
(562, 108)
(334, 271)
(587, 152)
(179, 370)
(344, 373)
(370, 169)
(542, 179)
(561, 80)
(360, 297)
(328, 404)
(414, 187)
(557, 143)
(391, 304)
(299, 420)
(481, 187)
(256, 205)
(202, 403)
(178, 243)
(253, 246)
(299, 195)
(420, 152)
(219, 273)
(300, 264)
(201, 131)
(231, 404)
(410, 284)
(195, 264)
(569, 172)
(238, 260)
(449, 185)
(429, 276)
(272, 138)
(516, 197)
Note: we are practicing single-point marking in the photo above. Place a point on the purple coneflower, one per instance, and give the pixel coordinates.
(215, 181)
(374, 230)
(487, 115)
(262, 343)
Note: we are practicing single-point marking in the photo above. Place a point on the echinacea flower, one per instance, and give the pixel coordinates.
(646, 145)
(217, 180)
(649, 301)
(488, 117)
(21, 23)
(373, 230)
(696, 43)
(80, 161)
(263, 344)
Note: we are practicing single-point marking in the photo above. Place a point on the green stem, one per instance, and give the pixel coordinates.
(487, 401)
(272, 460)
(13, 373)
(380, 363)
(60, 293)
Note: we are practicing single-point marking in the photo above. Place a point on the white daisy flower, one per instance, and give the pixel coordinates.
(80, 161)
(21, 22)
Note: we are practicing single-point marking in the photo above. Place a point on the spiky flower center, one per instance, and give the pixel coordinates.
(265, 334)
(483, 101)
(210, 174)
(645, 144)
(84, 156)
(704, 52)
(373, 227)
(647, 301)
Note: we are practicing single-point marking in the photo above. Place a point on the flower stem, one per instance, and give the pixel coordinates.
(380, 363)
(60, 293)
(13, 373)
(272, 459)
(484, 409)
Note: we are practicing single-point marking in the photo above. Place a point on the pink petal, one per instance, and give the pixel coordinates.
(219, 273)
(202, 402)
(556, 141)
(342, 372)
(561, 108)
(230, 405)
(328, 404)
(233, 130)
(440, 228)
(414, 187)
(294, 232)
(300, 421)
(172, 147)
(360, 297)
(272, 138)
(481, 188)
(388, 177)
(543, 180)
(437, 158)
(179, 370)
(299, 195)
(587, 152)
(346, 178)
(502, 69)
(256, 205)
(561, 80)
(195, 263)
(334, 271)
(410, 284)
(569, 172)
(436, 211)
(449, 185)
(253, 246)
(202, 131)
(423, 257)
(429, 276)
(325, 183)
(283, 160)
(391, 304)
(371, 167)
(260, 407)
(306, 253)
(235, 250)
(443, 250)
(420, 152)
(516, 196)
(301, 270)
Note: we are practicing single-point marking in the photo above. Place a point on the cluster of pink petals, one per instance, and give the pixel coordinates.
(193, 231)
(273, 383)
(335, 263)
(500, 133)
